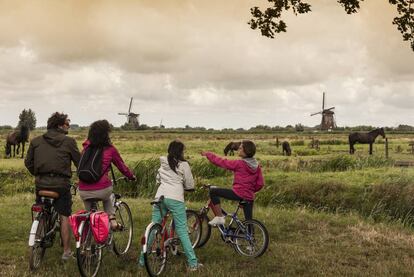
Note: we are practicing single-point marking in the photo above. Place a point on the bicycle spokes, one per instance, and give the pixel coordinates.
(124, 233)
(251, 238)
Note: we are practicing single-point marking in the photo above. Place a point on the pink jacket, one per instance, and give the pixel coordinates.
(110, 155)
(247, 180)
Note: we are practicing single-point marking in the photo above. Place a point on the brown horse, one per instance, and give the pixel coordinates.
(286, 148)
(364, 138)
(231, 147)
(15, 139)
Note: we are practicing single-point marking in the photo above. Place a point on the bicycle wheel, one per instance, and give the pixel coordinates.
(37, 251)
(251, 239)
(193, 227)
(193, 230)
(155, 256)
(205, 230)
(89, 254)
(123, 237)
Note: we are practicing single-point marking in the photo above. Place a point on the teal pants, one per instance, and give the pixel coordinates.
(177, 209)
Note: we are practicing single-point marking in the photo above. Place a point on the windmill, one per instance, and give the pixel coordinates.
(328, 119)
(132, 118)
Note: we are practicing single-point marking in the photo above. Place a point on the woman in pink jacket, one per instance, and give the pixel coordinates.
(248, 180)
(98, 136)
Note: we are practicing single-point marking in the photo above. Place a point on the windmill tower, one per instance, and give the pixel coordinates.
(328, 118)
(132, 118)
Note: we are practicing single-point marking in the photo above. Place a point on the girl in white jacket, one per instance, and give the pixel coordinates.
(174, 177)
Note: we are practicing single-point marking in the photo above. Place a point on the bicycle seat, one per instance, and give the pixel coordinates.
(243, 202)
(157, 202)
(48, 193)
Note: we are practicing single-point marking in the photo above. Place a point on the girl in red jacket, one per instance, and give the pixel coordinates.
(98, 136)
(248, 180)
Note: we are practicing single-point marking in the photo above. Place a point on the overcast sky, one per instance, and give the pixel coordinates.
(199, 63)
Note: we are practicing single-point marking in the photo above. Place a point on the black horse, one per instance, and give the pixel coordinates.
(231, 147)
(15, 139)
(286, 148)
(364, 138)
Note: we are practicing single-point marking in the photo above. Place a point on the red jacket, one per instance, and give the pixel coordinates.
(110, 155)
(247, 180)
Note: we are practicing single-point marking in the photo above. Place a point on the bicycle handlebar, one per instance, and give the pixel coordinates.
(207, 186)
(120, 178)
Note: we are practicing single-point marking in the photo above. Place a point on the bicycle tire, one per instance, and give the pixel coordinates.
(122, 239)
(89, 254)
(155, 256)
(194, 227)
(37, 251)
(255, 242)
(205, 230)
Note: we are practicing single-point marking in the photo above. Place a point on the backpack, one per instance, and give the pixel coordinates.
(100, 226)
(75, 221)
(90, 165)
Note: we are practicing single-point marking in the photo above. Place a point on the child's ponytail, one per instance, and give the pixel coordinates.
(175, 154)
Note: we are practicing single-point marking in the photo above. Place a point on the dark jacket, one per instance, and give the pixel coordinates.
(49, 159)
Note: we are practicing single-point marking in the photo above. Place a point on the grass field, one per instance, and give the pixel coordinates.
(328, 213)
(302, 242)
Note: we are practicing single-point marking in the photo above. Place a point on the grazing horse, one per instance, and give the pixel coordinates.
(17, 138)
(231, 147)
(364, 138)
(286, 148)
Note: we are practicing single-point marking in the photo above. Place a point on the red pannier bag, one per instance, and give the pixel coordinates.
(75, 220)
(100, 226)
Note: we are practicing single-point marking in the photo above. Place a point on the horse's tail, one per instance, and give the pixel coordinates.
(227, 148)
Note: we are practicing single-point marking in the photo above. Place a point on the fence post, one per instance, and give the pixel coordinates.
(386, 148)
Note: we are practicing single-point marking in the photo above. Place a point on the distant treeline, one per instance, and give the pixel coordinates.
(259, 128)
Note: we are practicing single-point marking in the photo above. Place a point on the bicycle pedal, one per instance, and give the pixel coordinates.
(229, 240)
(46, 243)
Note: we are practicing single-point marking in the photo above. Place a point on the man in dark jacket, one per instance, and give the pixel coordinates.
(49, 159)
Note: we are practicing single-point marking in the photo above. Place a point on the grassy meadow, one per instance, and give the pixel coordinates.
(328, 213)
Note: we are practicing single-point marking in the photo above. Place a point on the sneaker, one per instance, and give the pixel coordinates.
(196, 268)
(67, 256)
(218, 220)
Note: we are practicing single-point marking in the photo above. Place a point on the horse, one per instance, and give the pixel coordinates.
(314, 144)
(286, 148)
(364, 138)
(15, 139)
(231, 147)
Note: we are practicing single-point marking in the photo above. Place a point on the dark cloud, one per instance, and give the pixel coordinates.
(198, 63)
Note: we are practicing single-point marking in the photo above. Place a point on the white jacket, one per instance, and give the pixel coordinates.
(171, 184)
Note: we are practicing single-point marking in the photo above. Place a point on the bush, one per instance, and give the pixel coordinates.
(297, 143)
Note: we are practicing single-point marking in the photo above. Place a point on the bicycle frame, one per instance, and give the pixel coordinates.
(226, 231)
(167, 235)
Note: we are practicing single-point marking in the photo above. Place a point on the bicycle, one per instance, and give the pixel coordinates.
(88, 252)
(45, 224)
(161, 239)
(249, 237)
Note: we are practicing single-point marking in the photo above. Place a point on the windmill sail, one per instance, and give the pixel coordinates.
(328, 120)
(132, 118)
